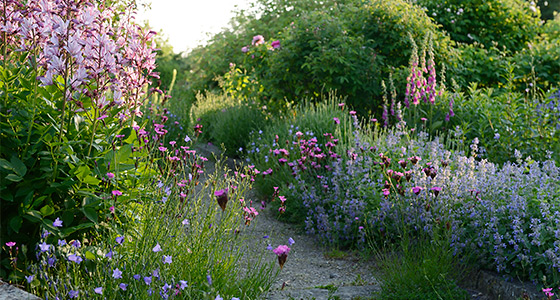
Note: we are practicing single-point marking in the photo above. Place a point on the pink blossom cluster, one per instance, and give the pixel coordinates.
(88, 51)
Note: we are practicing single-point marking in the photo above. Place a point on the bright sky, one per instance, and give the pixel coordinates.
(186, 22)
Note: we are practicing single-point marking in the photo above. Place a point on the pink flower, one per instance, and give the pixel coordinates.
(258, 40)
(116, 193)
(352, 112)
(222, 197)
(417, 189)
(245, 49)
(386, 192)
(282, 253)
(110, 175)
(436, 190)
(336, 120)
(10, 244)
(275, 44)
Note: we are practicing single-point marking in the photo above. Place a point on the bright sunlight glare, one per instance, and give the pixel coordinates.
(186, 23)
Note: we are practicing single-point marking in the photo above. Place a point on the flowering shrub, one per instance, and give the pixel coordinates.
(386, 179)
(73, 78)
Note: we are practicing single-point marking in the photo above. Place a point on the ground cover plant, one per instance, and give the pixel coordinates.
(97, 200)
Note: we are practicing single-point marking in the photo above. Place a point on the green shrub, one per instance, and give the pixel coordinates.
(349, 48)
(234, 125)
(227, 121)
(509, 23)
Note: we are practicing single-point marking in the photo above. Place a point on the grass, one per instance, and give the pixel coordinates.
(422, 268)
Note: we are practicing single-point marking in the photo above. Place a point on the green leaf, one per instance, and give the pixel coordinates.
(90, 255)
(6, 164)
(15, 223)
(90, 213)
(33, 216)
(91, 180)
(437, 125)
(47, 210)
(14, 178)
(19, 166)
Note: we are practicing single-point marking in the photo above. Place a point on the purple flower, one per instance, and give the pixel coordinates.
(123, 286)
(183, 284)
(148, 280)
(218, 298)
(119, 239)
(209, 279)
(245, 49)
(98, 290)
(61, 242)
(117, 274)
(57, 222)
(73, 294)
(75, 258)
(157, 248)
(76, 244)
(29, 278)
(291, 241)
(137, 276)
(44, 247)
(167, 259)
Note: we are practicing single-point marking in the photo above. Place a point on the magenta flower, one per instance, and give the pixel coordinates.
(222, 197)
(436, 190)
(282, 253)
(386, 192)
(352, 112)
(417, 189)
(110, 175)
(162, 149)
(336, 120)
(10, 244)
(116, 193)
(275, 44)
(57, 223)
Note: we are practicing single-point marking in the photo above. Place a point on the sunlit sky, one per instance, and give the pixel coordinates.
(186, 22)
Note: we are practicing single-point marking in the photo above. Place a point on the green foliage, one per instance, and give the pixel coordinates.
(265, 17)
(421, 268)
(504, 123)
(45, 162)
(227, 121)
(509, 23)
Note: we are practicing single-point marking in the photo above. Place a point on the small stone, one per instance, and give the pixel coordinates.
(333, 275)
